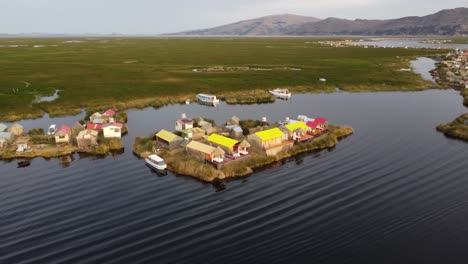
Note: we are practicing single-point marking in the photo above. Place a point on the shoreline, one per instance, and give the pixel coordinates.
(257, 96)
(56, 152)
(451, 74)
(457, 129)
(180, 163)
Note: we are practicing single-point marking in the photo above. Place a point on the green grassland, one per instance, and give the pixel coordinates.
(460, 40)
(138, 72)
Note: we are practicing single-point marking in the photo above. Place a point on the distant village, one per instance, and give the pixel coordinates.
(453, 70)
(99, 134)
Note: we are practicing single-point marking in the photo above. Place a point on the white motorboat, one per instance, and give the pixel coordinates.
(156, 162)
(52, 129)
(208, 98)
(283, 93)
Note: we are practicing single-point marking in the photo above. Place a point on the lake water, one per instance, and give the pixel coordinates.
(394, 192)
(51, 98)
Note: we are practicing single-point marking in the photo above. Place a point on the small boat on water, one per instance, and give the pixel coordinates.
(282, 93)
(156, 162)
(24, 163)
(208, 98)
(52, 129)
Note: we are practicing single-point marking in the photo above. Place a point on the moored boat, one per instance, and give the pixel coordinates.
(208, 98)
(156, 162)
(283, 93)
(52, 129)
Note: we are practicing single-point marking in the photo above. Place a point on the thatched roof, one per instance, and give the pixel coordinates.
(244, 144)
(218, 151)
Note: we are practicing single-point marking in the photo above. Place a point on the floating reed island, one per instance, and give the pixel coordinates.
(201, 149)
(99, 134)
(456, 129)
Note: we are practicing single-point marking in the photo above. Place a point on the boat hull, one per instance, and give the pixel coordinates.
(155, 166)
(282, 95)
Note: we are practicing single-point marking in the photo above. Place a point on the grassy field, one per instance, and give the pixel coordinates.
(461, 40)
(137, 72)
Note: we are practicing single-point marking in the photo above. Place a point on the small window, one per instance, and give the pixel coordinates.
(117, 130)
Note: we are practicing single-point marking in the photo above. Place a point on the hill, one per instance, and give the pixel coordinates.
(449, 22)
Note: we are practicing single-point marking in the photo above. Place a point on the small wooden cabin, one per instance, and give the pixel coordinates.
(112, 130)
(63, 135)
(296, 130)
(16, 130)
(229, 145)
(268, 139)
(205, 152)
(87, 138)
(171, 140)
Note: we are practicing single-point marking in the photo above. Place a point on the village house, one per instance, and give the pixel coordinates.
(318, 125)
(87, 138)
(112, 130)
(205, 152)
(230, 146)
(97, 127)
(22, 146)
(184, 123)
(235, 131)
(168, 139)
(5, 139)
(296, 131)
(195, 133)
(96, 118)
(77, 128)
(244, 147)
(16, 129)
(3, 127)
(108, 115)
(207, 126)
(7, 135)
(272, 141)
(234, 121)
(3, 143)
(63, 135)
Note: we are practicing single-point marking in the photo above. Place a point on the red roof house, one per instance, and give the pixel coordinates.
(64, 129)
(94, 126)
(63, 134)
(318, 123)
(109, 112)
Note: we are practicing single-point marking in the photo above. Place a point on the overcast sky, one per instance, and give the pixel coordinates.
(165, 16)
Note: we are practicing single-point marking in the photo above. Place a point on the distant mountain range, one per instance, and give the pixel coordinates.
(450, 22)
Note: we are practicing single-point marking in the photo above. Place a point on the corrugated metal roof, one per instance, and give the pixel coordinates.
(204, 148)
(3, 127)
(6, 135)
(270, 134)
(168, 136)
(297, 125)
(109, 112)
(115, 124)
(318, 121)
(87, 132)
(64, 129)
(222, 140)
